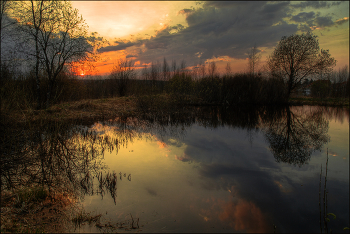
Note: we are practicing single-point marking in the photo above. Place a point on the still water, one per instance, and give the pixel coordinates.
(226, 171)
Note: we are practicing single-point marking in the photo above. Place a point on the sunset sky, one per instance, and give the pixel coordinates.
(210, 31)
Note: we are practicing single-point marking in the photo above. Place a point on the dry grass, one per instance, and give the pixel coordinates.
(84, 110)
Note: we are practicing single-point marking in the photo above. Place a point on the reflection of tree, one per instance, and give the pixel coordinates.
(54, 155)
(294, 136)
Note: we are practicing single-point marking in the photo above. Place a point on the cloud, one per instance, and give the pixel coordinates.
(121, 46)
(131, 56)
(227, 28)
(309, 20)
(342, 21)
(303, 16)
(315, 4)
(185, 11)
(221, 29)
(325, 21)
(183, 158)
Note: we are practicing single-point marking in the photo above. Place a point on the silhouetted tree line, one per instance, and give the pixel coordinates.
(334, 85)
(183, 87)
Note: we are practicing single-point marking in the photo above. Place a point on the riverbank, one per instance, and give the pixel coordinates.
(107, 108)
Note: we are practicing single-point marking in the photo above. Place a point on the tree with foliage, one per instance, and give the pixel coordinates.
(59, 35)
(297, 57)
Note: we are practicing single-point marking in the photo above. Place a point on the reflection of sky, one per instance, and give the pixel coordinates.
(224, 179)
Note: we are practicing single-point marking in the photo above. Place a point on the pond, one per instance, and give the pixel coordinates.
(256, 171)
(247, 169)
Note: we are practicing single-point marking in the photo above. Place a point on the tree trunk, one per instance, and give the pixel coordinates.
(37, 81)
(48, 94)
(290, 84)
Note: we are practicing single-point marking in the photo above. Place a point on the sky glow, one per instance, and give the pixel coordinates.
(200, 32)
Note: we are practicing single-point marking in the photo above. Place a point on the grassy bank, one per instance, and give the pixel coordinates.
(107, 108)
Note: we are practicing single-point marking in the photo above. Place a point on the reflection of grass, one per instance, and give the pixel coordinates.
(319, 101)
(29, 195)
(83, 217)
(33, 210)
(323, 212)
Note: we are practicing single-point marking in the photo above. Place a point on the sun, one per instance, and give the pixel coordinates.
(82, 74)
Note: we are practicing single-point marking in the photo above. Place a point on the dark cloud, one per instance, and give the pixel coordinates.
(324, 21)
(131, 56)
(303, 16)
(121, 46)
(222, 4)
(222, 29)
(304, 28)
(310, 19)
(315, 4)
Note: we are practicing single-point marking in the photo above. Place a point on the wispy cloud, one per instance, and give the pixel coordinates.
(342, 21)
(120, 46)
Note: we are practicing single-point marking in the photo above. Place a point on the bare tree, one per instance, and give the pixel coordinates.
(174, 67)
(122, 72)
(202, 69)
(254, 59)
(9, 59)
(296, 57)
(212, 69)
(5, 7)
(59, 34)
(165, 70)
(228, 69)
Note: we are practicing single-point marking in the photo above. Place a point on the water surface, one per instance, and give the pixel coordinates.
(227, 171)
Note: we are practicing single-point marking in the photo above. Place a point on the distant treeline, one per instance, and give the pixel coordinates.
(181, 86)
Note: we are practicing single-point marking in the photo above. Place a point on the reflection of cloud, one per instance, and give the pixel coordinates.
(282, 187)
(244, 215)
(151, 191)
(332, 153)
(103, 129)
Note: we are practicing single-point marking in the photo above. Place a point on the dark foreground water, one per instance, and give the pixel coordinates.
(251, 169)
(228, 172)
